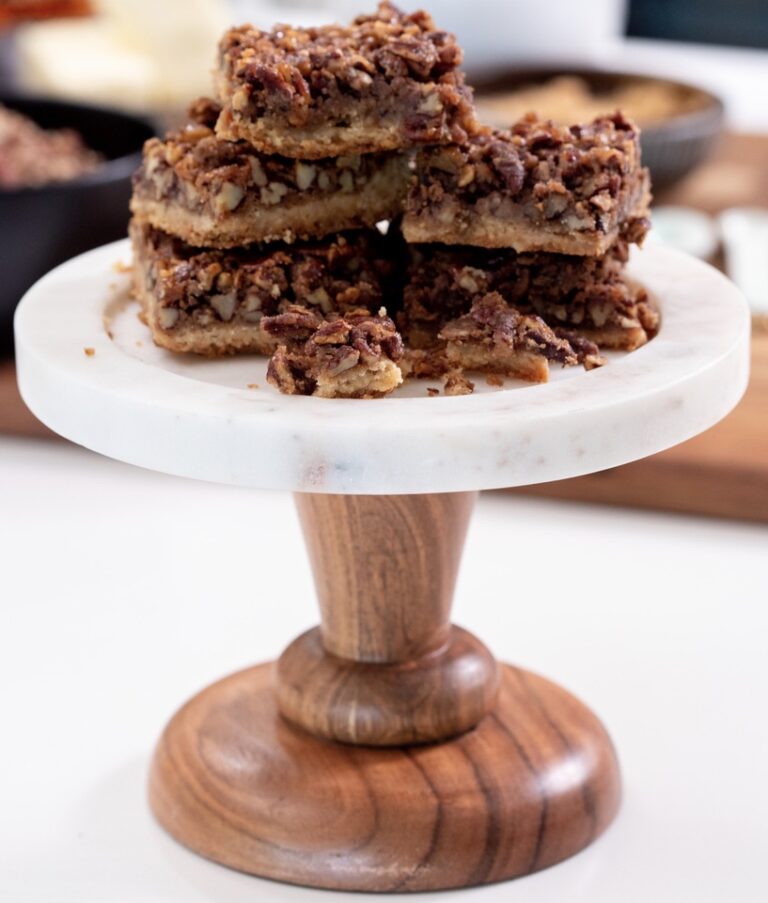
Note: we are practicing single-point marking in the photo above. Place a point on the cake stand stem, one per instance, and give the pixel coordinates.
(386, 668)
(388, 751)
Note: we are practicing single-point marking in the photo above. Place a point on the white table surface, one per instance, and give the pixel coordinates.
(124, 591)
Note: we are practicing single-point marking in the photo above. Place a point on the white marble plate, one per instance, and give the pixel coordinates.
(199, 418)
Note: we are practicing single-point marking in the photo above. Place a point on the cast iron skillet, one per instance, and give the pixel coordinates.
(42, 227)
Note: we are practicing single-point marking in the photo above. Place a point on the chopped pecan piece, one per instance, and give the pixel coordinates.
(455, 383)
(587, 294)
(535, 187)
(387, 81)
(587, 352)
(497, 338)
(354, 356)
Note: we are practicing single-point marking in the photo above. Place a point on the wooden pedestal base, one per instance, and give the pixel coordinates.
(385, 750)
(533, 783)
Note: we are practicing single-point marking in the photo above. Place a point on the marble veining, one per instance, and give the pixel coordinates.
(198, 418)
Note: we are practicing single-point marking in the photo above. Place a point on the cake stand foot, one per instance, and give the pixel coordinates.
(386, 750)
(533, 783)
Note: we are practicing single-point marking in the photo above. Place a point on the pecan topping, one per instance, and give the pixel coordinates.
(319, 357)
(572, 292)
(193, 168)
(582, 178)
(388, 66)
(492, 320)
(347, 272)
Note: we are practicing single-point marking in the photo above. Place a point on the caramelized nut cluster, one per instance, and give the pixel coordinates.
(194, 167)
(573, 292)
(575, 174)
(313, 351)
(350, 271)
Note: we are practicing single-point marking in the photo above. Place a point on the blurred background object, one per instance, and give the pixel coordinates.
(745, 246)
(12, 12)
(54, 205)
(679, 122)
(691, 231)
(740, 23)
(149, 56)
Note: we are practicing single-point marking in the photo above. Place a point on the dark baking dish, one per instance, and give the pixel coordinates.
(671, 148)
(43, 226)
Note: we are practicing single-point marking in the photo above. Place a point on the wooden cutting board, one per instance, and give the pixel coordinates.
(723, 472)
(15, 418)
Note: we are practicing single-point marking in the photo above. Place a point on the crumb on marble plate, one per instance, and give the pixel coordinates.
(456, 383)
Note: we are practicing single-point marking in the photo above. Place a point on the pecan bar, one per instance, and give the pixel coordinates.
(495, 337)
(589, 295)
(387, 81)
(222, 194)
(212, 302)
(354, 356)
(537, 187)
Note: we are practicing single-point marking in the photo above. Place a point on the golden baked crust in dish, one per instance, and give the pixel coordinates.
(571, 98)
(536, 187)
(224, 194)
(387, 81)
(212, 302)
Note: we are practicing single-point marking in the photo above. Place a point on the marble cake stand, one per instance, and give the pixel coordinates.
(386, 750)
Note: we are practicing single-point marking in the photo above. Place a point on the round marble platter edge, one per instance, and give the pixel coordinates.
(88, 369)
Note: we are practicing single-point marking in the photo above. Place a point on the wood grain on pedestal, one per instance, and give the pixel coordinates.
(385, 569)
(246, 772)
(418, 700)
(386, 667)
(533, 783)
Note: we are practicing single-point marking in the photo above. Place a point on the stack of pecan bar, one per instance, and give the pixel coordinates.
(519, 240)
(255, 227)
